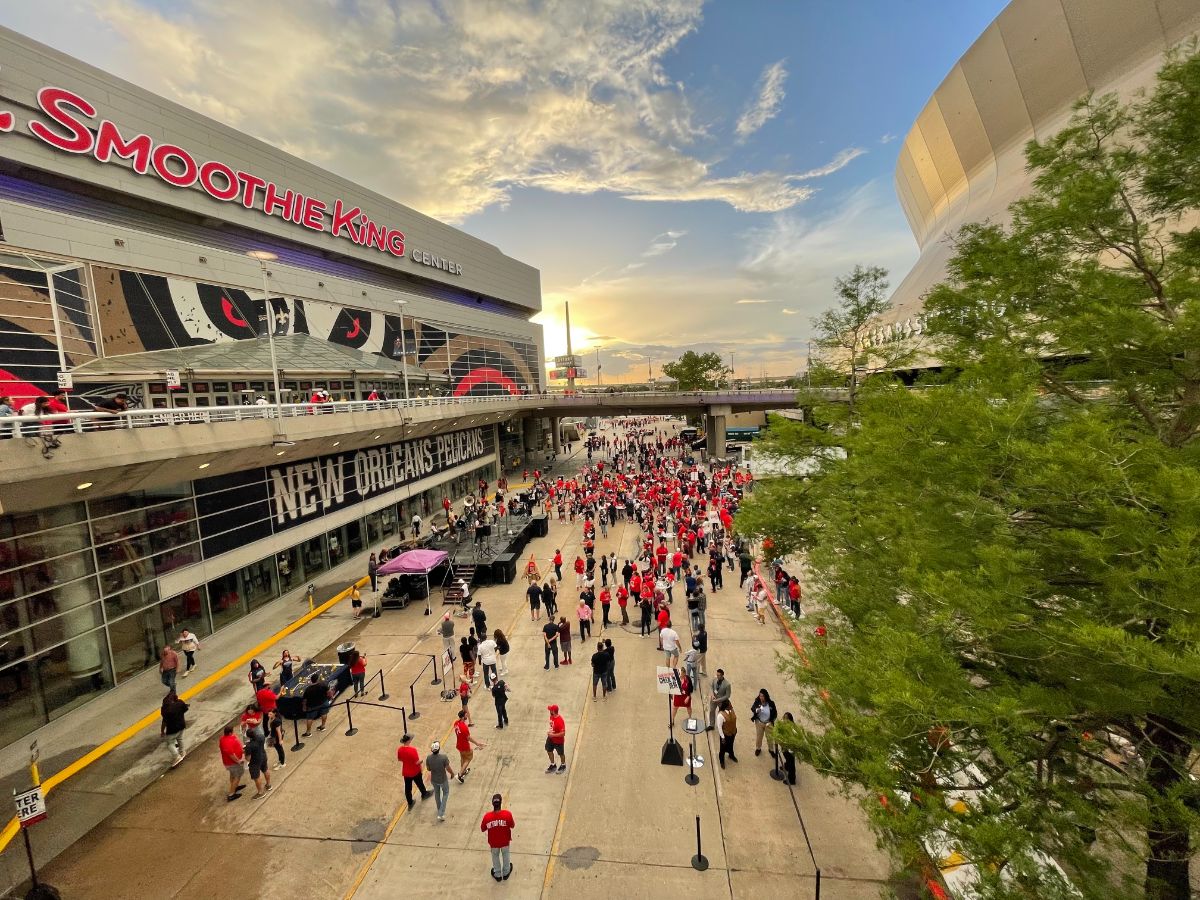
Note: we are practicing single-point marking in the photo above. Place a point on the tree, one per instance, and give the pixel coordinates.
(845, 334)
(698, 371)
(1012, 555)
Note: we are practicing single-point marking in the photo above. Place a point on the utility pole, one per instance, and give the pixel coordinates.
(570, 355)
(597, 365)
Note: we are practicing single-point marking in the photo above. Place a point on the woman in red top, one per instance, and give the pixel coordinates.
(623, 602)
(682, 700)
(579, 567)
(605, 604)
(358, 674)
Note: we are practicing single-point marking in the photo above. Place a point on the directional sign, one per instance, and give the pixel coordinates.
(65, 381)
(173, 379)
(668, 681)
(31, 806)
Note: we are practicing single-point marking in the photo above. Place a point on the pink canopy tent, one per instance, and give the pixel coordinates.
(415, 562)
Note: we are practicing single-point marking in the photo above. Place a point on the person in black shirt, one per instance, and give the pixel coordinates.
(549, 600)
(534, 593)
(599, 668)
(173, 723)
(479, 617)
(315, 703)
(627, 572)
(550, 636)
(500, 696)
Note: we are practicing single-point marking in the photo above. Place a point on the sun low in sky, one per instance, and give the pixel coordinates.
(688, 175)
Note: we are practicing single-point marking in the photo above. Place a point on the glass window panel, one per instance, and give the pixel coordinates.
(72, 621)
(74, 673)
(371, 523)
(135, 642)
(312, 552)
(225, 601)
(290, 565)
(21, 707)
(259, 583)
(183, 611)
(132, 599)
(354, 540)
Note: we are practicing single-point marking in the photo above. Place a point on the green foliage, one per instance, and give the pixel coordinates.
(1012, 552)
(698, 371)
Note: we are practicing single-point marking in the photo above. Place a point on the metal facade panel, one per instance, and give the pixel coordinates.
(942, 151)
(995, 89)
(1112, 36)
(1043, 56)
(963, 122)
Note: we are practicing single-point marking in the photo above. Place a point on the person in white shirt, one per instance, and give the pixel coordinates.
(416, 525)
(489, 659)
(670, 645)
(760, 605)
(189, 644)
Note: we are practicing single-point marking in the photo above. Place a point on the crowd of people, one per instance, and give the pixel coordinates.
(685, 549)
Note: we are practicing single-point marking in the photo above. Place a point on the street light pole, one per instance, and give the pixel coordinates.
(262, 256)
(404, 349)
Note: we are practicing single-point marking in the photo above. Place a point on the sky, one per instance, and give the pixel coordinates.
(686, 174)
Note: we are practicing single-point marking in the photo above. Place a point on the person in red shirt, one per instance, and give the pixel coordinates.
(233, 758)
(579, 567)
(605, 605)
(558, 564)
(266, 700)
(358, 674)
(556, 740)
(623, 602)
(498, 825)
(661, 554)
(676, 562)
(463, 743)
(410, 761)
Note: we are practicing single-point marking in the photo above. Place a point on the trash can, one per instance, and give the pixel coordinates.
(344, 652)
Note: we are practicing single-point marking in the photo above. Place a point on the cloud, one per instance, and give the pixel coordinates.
(887, 138)
(839, 162)
(766, 103)
(663, 243)
(789, 312)
(446, 106)
(750, 301)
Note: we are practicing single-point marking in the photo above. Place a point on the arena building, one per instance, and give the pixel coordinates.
(148, 250)
(964, 158)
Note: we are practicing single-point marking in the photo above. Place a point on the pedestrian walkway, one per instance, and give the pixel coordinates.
(336, 824)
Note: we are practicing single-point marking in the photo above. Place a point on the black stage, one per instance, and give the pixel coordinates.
(495, 553)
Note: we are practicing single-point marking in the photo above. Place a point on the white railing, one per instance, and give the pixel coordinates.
(83, 422)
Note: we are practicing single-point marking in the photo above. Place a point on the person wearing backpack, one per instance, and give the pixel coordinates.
(727, 728)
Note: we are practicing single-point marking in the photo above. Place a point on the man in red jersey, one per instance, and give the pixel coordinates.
(498, 825)
(556, 739)
(233, 758)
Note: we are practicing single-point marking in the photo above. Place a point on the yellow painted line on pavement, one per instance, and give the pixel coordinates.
(378, 848)
(13, 827)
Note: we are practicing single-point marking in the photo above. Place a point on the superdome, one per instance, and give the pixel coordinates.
(963, 160)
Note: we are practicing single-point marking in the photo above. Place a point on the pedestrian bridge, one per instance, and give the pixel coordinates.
(138, 449)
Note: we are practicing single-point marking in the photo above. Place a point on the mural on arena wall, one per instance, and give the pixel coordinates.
(139, 312)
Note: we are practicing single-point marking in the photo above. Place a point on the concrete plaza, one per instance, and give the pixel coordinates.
(617, 823)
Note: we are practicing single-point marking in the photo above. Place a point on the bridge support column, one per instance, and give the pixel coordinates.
(556, 434)
(714, 430)
(530, 428)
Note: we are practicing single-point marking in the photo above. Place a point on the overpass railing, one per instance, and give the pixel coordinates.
(81, 422)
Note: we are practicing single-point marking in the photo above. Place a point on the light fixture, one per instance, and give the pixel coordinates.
(84, 486)
(281, 452)
(203, 465)
(375, 438)
(262, 255)
(337, 443)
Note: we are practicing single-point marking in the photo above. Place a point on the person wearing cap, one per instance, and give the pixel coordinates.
(556, 739)
(440, 773)
(410, 758)
(464, 742)
(498, 825)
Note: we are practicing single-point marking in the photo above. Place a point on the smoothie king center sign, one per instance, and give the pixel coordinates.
(315, 487)
(73, 128)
